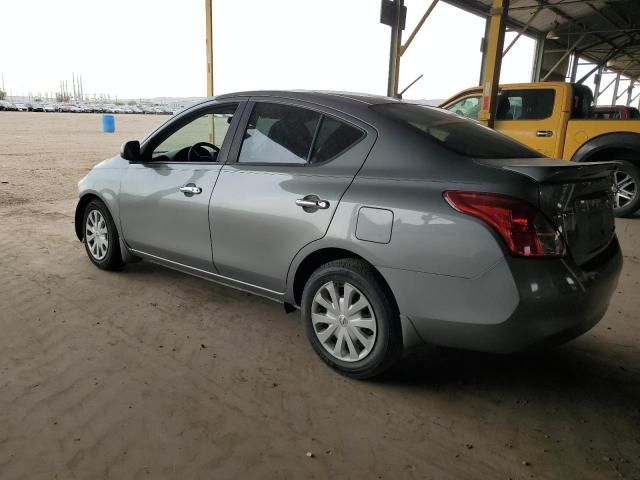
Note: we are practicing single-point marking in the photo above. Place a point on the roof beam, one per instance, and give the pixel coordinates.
(522, 31)
(418, 27)
(559, 4)
(563, 57)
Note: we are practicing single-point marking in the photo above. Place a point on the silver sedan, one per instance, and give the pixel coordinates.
(387, 224)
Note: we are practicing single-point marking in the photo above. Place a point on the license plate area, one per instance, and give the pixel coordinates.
(593, 225)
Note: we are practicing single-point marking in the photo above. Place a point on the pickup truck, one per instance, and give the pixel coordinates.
(558, 120)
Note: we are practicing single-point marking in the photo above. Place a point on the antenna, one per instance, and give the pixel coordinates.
(410, 85)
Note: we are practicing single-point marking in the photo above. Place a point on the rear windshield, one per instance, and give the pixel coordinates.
(455, 133)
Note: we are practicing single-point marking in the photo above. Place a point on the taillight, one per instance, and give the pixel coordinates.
(523, 227)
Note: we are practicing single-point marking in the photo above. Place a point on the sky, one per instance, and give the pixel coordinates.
(156, 48)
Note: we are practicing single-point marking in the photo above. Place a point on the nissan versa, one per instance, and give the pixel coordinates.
(388, 224)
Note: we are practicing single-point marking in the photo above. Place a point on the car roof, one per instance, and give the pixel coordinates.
(347, 102)
(314, 96)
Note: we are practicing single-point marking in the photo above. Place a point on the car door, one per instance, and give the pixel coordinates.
(533, 117)
(281, 185)
(164, 200)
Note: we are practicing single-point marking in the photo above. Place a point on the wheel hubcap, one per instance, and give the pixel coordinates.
(624, 189)
(96, 235)
(343, 321)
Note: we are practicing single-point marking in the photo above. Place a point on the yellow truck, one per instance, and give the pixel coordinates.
(557, 119)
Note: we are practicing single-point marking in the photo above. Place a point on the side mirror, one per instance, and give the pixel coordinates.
(131, 151)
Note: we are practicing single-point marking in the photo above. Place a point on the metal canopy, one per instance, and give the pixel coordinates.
(605, 32)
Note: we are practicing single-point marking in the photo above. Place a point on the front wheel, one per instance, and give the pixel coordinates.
(626, 181)
(351, 319)
(101, 239)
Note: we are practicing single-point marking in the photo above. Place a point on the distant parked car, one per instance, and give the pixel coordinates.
(49, 108)
(21, 107)
(615, 112)
(37, 107)
(388, 224)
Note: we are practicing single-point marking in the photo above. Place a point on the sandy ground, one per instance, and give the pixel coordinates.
(149, 373)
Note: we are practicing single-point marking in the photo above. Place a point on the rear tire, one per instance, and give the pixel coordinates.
(626, 185)
(101, 240)
(350, 318)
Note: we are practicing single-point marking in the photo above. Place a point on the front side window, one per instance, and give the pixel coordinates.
(279, 133)
(462, 136)
(200, 140)
(525, 104)
(467, 107)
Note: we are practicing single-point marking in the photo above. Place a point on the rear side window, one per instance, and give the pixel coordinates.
(525, 104)
(334, 137)
(278, 134)
(457, 134)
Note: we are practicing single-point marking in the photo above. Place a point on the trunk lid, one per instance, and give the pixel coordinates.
(577, 199)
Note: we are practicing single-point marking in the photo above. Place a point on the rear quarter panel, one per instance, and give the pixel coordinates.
(580, 132)
(407, 175)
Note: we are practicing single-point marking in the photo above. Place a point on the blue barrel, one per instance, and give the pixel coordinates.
(108, 123)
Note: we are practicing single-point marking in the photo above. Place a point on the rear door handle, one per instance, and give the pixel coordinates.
(191, 189)
(310, 203)
(544, 133)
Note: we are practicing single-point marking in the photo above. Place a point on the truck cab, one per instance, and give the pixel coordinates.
(558, 120)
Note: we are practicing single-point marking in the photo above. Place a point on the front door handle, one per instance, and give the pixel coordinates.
(544, 133)
(310, 202)
(190, 188)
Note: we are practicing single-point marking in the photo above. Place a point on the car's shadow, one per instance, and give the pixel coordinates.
(589, 369)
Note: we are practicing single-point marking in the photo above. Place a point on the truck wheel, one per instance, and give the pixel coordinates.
(625, 189)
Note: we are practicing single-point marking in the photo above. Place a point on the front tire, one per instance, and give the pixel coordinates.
(625, 189)
(101, 240)
(350, 318)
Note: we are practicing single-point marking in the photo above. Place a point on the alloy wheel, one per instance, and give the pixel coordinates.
(625, 189)
(343, 321)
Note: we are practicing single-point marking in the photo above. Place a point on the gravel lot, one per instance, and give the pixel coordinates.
(149, 373)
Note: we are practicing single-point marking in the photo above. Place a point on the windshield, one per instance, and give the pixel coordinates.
(460, 135)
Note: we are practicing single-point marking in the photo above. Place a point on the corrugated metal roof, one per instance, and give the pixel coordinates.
(611, 28)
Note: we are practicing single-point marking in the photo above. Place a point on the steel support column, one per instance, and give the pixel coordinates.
(493, 61)
(574, 66)
(620, 95)
(602, 90)
(596, 86)
(483, 49)
(209, 44)
(538, 59)
(394, 53)
(615, 89)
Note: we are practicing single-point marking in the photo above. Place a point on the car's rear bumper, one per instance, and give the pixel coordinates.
(518, 304)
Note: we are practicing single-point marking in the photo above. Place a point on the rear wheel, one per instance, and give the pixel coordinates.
(350, 319)
(101, 239)
(625, 189)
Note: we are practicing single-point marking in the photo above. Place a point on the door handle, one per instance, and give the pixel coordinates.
(544, 133)
(309, 203)
(192, 189)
